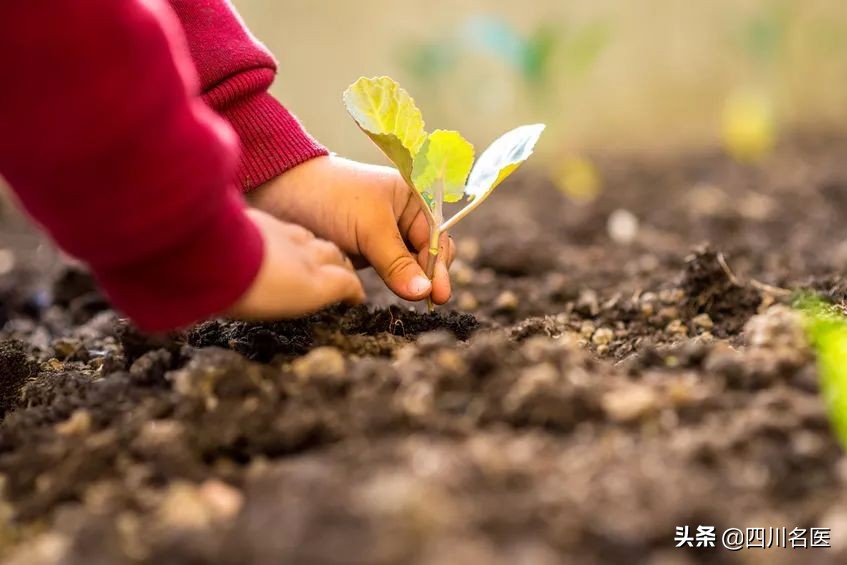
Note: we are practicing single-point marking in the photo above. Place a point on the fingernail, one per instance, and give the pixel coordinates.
(420, 286)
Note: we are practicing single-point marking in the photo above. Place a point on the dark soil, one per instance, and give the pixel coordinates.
(593, 395)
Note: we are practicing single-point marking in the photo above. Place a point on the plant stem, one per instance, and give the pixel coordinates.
(432, 257)
(461, 214)
(434, 236)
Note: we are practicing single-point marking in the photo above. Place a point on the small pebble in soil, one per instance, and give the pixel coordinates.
(622, 226)
(320, 362)
(224, 501)
(707, 199)
(602, 336)
(671, 295)
(756, 207)
(669, 313)
(677, 328)
(467, 302)
(451, 361)
(507, 301)
(647, 303)
(533, 383)
(78, 424)
(69, 349)
(156, 435)
(52, 365)
(188, 507)
(417, 399)
(46, 548)
(461, 273)
(703, 322)
(587, 329)
(629, 403)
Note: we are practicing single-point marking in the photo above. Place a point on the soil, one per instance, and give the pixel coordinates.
(592, 394)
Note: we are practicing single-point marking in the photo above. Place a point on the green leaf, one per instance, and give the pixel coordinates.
(584, 47)
(501, 159)
(828, 334)
(388, 115)
(443, 163)
(539, 53)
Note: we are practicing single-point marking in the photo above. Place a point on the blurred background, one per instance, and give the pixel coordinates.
(612, 74)
(606, 76)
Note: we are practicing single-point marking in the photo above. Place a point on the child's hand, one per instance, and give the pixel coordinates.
(369, 212)
(299, 274)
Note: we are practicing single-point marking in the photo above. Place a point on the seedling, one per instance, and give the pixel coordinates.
(438, 167)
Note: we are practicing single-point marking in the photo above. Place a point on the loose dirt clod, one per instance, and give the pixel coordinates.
(16, 367)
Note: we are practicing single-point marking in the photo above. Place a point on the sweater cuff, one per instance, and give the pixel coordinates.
(205, 273)
(272, 140)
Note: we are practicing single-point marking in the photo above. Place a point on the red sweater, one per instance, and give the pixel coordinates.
(107, 142)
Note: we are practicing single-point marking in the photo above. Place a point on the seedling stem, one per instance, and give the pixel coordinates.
(434, 236)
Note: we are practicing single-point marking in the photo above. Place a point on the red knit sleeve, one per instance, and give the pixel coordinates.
(105, 144)
(235, 73)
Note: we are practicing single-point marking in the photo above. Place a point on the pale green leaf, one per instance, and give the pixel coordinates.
(827, 331)
(388, 115)
(443, 163)
(501, 159)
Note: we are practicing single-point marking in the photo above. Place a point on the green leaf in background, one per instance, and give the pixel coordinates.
(828, 333)
(490, 34)
(427, 61)
(501, 159)
(538, 53)
(584, 46)
(533, 55)
(388, 115)
(763, 36)
(445, 159)
(530, 56)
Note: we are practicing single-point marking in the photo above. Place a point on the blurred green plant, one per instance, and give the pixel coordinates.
(438, 167)
(529, 55)
(827, 331)
(428, 61)
(547, 50)
(749, 120)
(763, 35)
(548, 61)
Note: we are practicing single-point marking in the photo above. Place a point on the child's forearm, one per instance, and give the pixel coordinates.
(235, 73)
(106, 146)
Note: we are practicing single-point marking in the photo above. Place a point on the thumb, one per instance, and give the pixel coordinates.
(400, 271)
